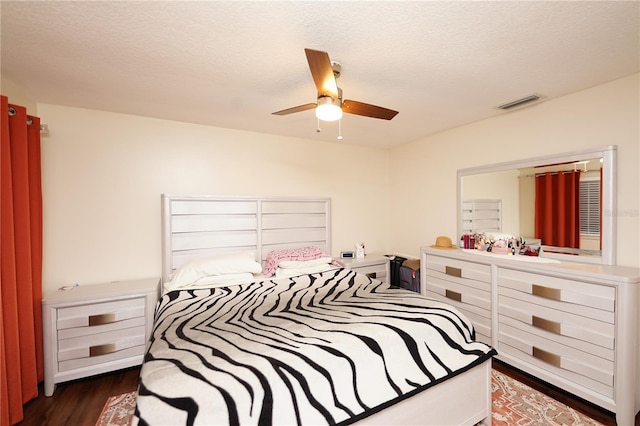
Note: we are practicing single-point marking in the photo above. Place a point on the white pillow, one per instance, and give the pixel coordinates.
(301, 264)
(214, 281)
(224, 264)
(291, 272)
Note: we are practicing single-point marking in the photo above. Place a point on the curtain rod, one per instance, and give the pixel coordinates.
(43, 127)
(553, 173)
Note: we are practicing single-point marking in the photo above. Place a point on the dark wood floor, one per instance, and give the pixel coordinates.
(80, 402)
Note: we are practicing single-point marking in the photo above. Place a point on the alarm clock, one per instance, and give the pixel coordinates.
(347, 254)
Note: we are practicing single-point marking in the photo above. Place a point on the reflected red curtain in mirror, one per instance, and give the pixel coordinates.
(557, 215)
(21, 359)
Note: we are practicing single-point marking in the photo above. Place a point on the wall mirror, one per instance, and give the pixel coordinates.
(517, 193)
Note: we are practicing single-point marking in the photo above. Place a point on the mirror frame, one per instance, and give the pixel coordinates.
(608, 202)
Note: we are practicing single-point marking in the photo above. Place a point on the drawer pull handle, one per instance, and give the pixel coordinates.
(102, 319)
(372, 274)
(548, 357)
(545, 324)
(453, 295)
(102, 349)
(454, 272)
(546, 292)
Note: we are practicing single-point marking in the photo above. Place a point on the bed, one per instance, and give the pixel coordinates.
(259, 325)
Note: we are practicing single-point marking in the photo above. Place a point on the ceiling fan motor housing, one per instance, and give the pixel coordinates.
(329, 109)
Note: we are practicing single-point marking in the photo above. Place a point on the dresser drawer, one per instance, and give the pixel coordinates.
(97, 314)
(572, 364)
(480, 318)
(481, 325)
(461, 291)
(587, 334)
(459, 269)
(579, 298)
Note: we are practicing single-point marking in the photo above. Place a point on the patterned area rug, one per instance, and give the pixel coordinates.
(118, 410)
(513, 403)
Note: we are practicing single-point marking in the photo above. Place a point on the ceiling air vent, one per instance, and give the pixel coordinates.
(520, 102)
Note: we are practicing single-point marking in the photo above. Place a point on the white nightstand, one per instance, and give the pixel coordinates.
(94, 329)
(372, 265)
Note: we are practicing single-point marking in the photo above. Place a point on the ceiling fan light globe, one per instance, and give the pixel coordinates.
(328, 109)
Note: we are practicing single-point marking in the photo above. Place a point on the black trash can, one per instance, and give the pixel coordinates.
(395, 263)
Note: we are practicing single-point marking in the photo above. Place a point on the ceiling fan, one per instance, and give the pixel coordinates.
(329, 105)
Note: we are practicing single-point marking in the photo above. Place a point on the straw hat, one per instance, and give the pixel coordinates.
(444, 243)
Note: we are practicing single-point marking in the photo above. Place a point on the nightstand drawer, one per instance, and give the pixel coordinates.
(373, 271)
(100, 344)
(372, 265)
(69, 333)
(135, 354)
(97, 314)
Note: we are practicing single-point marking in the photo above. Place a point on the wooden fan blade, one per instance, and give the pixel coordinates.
(322, 73)
(295, 109)
(368, 110)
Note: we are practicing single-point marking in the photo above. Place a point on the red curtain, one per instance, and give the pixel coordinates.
(21, 359)
(557, 215)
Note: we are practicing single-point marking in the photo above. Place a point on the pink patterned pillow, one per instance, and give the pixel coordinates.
(303, 253)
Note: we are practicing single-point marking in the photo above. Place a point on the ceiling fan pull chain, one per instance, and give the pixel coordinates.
(340, 129)
(318, 129)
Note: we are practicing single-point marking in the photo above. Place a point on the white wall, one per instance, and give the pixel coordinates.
(423, 173)
(18, 96)
(103, 174)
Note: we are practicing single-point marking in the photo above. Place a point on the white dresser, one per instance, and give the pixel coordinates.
(93, 329)
(573, 325)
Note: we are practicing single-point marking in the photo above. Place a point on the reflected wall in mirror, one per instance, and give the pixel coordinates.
(582, 231)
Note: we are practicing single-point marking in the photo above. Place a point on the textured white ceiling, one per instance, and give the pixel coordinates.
(231, 64)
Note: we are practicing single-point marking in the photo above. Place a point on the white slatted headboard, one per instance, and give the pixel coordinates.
(199, 226)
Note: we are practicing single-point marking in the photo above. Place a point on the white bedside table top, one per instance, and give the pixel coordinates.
(102, 290)
(369, 259)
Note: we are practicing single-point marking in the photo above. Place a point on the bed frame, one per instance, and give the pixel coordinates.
(197, 226)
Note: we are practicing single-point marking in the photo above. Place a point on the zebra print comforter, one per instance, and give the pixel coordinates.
(328, 348)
